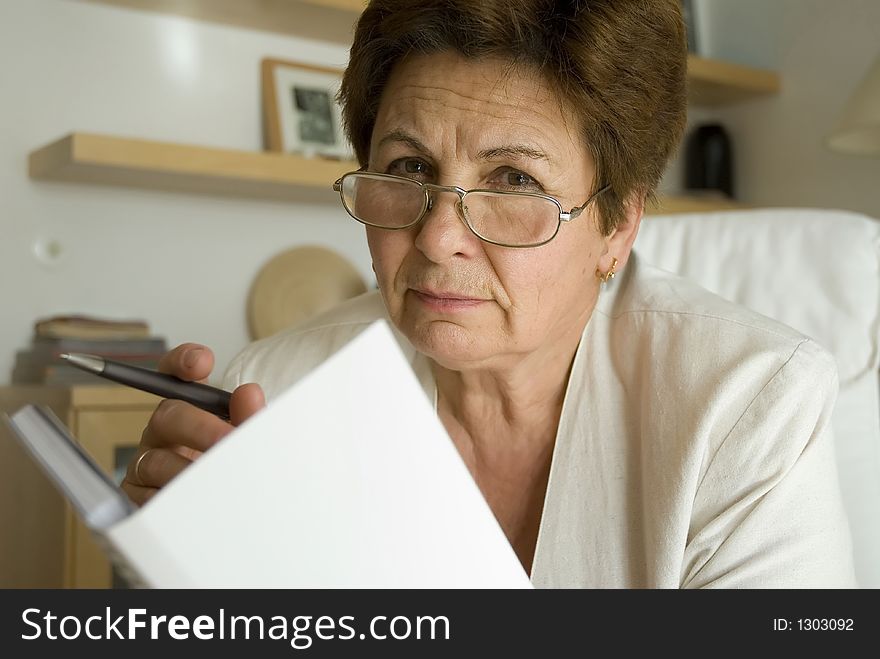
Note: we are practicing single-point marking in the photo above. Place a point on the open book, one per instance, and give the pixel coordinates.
(347, 479)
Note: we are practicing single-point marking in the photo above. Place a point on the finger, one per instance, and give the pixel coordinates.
(139, 495)
(176, 423)
(155, 467)
(192, 362)
(246, 400)
(190, 454)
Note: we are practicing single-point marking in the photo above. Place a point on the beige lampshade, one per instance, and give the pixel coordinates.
(858, 131)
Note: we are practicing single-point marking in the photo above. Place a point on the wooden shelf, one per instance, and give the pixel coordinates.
(106, 160)
(713, 82)
(101, 159)
(696, 203)
(353, 6)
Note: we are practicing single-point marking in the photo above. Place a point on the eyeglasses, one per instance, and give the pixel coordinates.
(509, 219)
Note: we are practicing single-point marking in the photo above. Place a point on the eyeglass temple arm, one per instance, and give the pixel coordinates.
(574, 212)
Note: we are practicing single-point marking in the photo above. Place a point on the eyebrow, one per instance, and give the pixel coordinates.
(512, 151)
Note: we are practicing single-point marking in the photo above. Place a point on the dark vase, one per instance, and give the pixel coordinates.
(709, 160)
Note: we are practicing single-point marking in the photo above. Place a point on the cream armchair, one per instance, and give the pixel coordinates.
(819, 272)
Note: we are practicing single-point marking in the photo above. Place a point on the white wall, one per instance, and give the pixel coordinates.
(182, 262)
(821, 49)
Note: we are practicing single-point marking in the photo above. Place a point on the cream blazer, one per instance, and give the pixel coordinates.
(694, 447)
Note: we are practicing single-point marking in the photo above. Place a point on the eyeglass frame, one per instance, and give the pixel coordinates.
(428, 204)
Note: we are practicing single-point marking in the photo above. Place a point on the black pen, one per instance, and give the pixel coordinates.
(201, 395)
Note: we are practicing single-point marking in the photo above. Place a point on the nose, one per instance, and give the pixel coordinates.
(443, 233)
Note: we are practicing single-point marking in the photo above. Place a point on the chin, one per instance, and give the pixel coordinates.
(451, 345)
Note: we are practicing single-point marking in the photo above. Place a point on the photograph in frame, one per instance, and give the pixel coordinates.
(300, 110)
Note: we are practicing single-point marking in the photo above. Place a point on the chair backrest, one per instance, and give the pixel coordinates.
(817, 271)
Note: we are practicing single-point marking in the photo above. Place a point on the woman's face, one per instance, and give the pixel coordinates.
(477, 124)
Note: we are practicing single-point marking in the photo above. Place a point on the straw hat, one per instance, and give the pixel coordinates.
(296, 284)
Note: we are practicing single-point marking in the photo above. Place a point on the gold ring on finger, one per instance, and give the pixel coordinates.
(137, 467)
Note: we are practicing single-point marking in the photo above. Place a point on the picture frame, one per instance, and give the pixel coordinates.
(300, 111)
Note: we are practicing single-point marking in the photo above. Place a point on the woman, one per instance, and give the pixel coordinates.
(644, 434)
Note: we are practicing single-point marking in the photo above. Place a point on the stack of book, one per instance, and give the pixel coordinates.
(128, 341)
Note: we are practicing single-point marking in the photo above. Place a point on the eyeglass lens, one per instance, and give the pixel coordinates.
(504, 218)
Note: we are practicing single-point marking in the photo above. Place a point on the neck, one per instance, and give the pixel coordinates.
(520, 402)
(504, 423)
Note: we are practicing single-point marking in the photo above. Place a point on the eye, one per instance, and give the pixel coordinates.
(415, 168)
(518, 179)
(514, 180)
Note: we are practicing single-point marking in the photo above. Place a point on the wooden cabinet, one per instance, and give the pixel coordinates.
(44, 545)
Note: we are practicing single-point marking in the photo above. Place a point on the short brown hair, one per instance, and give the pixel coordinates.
(620, 65)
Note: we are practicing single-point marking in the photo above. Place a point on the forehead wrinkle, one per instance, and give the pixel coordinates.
(496, 105)
(531, 149)
(398, 135)
(420, 109)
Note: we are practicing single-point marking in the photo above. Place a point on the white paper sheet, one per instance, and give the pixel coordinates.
(348, 479)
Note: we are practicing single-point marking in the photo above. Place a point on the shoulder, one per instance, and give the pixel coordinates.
(730, 412)
(280, 360)
(682, 322)
(688, 363)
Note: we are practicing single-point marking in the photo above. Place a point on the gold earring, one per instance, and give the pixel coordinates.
(607, 276)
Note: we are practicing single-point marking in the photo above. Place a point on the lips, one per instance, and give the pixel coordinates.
(446, 302)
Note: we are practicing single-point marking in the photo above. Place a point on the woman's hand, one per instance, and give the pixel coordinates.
(177, 432)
